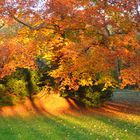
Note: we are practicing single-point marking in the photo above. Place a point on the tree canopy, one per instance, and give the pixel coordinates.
(83, 42)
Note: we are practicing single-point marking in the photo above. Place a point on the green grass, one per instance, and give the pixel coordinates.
(68, 127)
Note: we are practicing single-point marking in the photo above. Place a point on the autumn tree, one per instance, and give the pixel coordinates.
(82, 41)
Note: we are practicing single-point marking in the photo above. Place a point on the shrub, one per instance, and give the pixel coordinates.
(19, 85)
(27, 78)
(35, 80)
(92, 96)
(5, 98)
(2, 88)
(17, 88)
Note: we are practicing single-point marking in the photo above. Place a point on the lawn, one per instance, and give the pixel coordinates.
(68, 127)
(120, 122)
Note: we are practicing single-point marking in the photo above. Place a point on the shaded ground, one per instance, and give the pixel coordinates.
(118, 119)
(124, 102)
(127, 96)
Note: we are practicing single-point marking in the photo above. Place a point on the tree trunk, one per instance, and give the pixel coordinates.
(118, 69)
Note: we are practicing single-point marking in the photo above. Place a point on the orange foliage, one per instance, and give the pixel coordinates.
(83, 37)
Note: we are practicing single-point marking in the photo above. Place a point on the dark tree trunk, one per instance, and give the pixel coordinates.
(30, 89)
(118, 61)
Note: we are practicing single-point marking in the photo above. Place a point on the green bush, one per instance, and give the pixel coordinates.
(92, 96)
(18, 85)
(17, 88)
(27, 78)
(2, 88)
(35, 80)
(5, 98)
(12, 91)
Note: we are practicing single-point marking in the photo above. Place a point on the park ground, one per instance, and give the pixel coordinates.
(60, 119)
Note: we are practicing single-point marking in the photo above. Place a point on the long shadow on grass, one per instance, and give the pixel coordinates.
(116, 126)
(71, 131)
(42, 128)
(126, 130)
(122, 107)
(129, 127)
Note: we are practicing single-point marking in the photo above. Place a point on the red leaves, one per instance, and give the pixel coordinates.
(130, 76)
(14, 56)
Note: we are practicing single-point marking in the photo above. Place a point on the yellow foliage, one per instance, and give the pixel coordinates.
(86, 82)
(108, 81)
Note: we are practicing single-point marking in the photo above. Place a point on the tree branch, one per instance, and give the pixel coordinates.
(21, 22)
(42, 25)
(2, 25)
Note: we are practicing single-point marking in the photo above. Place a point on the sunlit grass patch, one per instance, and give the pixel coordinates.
(68, 127)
